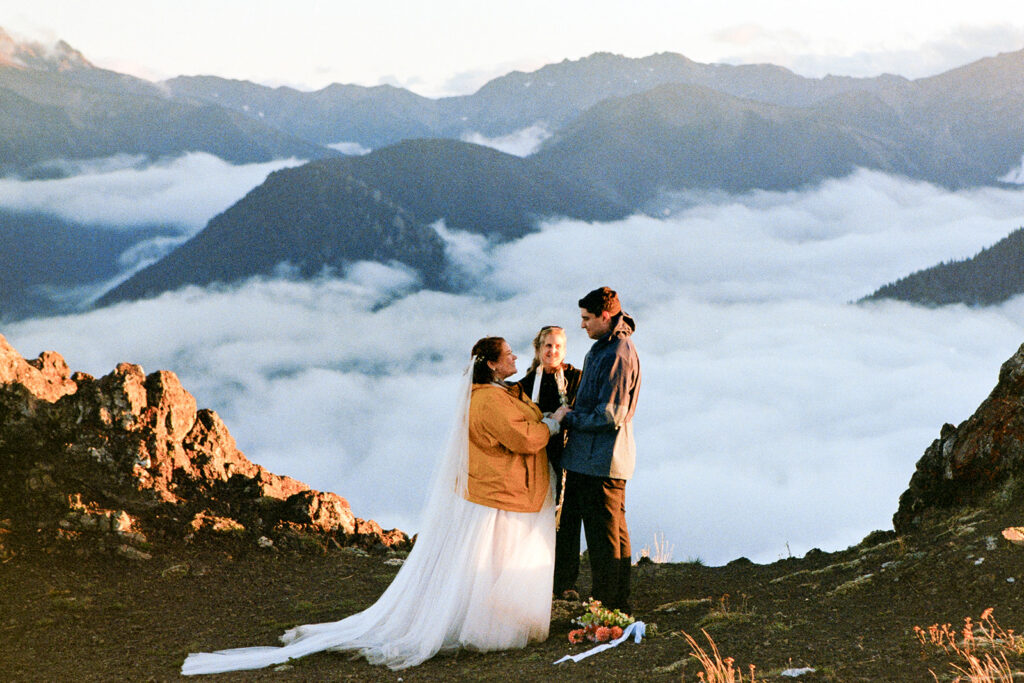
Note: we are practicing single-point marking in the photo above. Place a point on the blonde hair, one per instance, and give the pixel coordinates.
(538, 341)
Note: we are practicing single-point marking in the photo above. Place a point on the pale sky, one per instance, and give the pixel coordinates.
(454, 46)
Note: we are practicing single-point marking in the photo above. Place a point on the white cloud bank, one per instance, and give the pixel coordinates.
(774, 416)
(184, 191)
(520, 143)
(350, 148)
(1016, 175)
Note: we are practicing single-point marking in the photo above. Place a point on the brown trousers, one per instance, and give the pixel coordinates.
(599, 505)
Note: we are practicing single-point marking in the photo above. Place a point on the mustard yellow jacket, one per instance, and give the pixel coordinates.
(508, 465)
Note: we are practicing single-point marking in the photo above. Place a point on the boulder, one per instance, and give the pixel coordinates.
(324, 511)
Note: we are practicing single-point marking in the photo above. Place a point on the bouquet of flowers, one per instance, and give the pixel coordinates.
(599, 624)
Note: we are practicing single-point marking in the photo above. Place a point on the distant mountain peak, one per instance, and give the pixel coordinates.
(37, 56)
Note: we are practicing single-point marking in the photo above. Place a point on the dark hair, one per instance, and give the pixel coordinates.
(538, 340)
(600, 300)
(487, 349)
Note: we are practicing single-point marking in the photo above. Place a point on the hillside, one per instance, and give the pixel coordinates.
(474, 188)
(87, 609)
(682, 136)
(51, 264)
(968, 120)
(320, 223)
(378, 207)
(960, 129)
(990, 277)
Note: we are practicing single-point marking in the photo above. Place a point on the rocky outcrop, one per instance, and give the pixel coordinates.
(127, 460)
(980, 462)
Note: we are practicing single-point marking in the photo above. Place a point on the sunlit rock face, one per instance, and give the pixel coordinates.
(978, 463)
(128, 460)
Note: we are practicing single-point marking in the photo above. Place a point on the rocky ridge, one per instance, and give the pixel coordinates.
(976, 464)
(127, 462)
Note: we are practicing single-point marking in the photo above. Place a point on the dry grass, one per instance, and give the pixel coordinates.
(725, 611)
(982, 648)
(662, 551)
(716, 668)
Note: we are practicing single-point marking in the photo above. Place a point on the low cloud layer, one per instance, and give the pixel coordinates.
(186, 191)
(350, 148)
(1016, 175)
(520, 143)
(774, 415)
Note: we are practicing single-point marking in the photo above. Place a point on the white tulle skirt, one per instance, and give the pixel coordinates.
(480, 579)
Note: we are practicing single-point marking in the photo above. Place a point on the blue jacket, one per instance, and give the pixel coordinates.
(600, 425)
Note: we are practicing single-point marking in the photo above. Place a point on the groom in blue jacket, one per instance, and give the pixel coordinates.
(600, 455)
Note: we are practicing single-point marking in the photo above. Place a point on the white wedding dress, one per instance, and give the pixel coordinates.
(477, 578)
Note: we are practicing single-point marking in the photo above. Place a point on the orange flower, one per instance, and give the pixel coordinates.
(576, 636)
(602, 633)
(616, 632)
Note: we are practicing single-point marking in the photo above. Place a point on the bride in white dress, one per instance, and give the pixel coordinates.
(479, 576)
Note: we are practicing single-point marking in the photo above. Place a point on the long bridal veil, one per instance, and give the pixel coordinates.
(477, 577)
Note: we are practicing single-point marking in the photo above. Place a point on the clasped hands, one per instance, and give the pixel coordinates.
(560, 413)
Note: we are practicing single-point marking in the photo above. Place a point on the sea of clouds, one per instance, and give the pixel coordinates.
(775, 415)
(129, 191)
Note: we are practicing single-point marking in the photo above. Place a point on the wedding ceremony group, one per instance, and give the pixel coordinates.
(528, 467)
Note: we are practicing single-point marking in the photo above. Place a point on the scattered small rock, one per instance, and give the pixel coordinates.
(1014, 534)
(796, 673)
(175, 570)
(132, 553)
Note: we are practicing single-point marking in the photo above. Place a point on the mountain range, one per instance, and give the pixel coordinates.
(957, 129)
(55, 104)
(623, 132)
(554, 94)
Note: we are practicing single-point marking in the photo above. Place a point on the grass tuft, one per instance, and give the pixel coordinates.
(716, 668)
(981, 649)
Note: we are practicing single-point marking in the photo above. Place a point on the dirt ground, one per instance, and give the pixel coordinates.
(68, 615)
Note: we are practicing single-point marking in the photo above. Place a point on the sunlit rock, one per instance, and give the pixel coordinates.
(128, 459)
(979, 462)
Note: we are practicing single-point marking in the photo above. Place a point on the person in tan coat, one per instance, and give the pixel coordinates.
(508, 435)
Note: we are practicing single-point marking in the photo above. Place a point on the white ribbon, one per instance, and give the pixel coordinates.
(636, 629)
